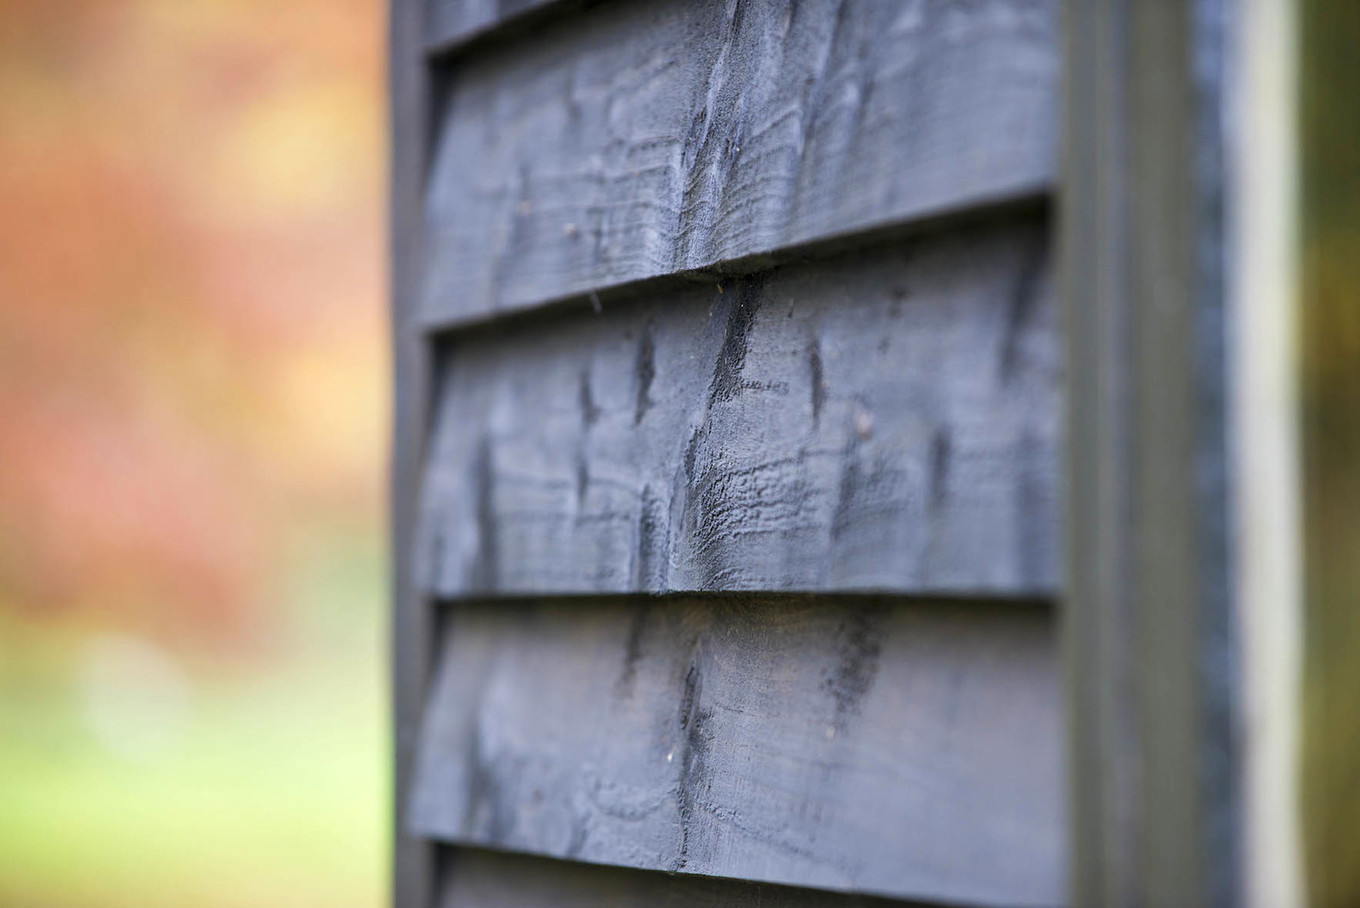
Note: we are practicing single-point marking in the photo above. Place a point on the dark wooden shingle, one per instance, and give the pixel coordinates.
(475, 878)
(886, 419)
(635, 139)
(902, 748)
(449, 23)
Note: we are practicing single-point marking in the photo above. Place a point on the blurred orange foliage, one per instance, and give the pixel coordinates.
(191, 331)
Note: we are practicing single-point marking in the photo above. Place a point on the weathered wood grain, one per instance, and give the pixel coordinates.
(899, 748)
(450, 22)
(883, 420)
(636, 139)
(475, 878)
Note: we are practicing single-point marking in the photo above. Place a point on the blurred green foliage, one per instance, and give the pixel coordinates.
(1330, 357)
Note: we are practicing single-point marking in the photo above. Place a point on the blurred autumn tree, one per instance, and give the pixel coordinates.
(192, 392)
(191, 334)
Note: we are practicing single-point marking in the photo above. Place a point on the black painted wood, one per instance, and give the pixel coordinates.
(450, 23)
(823, 357)
(1152, 609)
(886, 419)
(475, 878)
(901, 748)
(635, 139)
(412, 858)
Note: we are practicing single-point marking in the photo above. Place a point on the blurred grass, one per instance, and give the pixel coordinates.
(272, 791)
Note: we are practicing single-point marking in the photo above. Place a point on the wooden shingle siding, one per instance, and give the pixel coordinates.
(474, 878)
(636, 139)
(449, 23)
(729, 535)
(884, 419)
(897, 748)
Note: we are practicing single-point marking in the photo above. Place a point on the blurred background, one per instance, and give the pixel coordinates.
(192, 423)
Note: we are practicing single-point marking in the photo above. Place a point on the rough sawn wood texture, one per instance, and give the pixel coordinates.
(883, 420)
(908, 749)
(476, 878)
(635, 139)
(449, 22)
